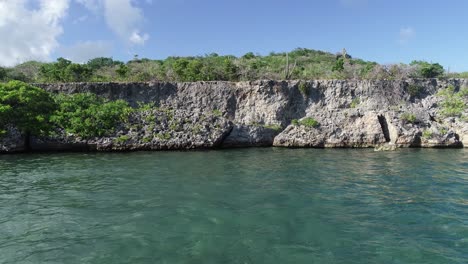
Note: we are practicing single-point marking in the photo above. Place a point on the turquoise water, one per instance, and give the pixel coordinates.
(235, 206)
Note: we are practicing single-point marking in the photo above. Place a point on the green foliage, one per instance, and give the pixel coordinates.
(428, 70)
(27, 107)
(122, 71)
(3, 74)
(307, 122)
(122, 139)
(355, 102)
(304, 88)
(273, 127)
(101, 62)
(65, 71)
(427, 134)
(453, 103)
(415, 90)
(408, 117)
(308, 64)
(339, 65)
(217, 112)
(88, 115)
(164, 136)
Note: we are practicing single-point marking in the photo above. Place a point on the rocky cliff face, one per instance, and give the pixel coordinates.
(348, 113)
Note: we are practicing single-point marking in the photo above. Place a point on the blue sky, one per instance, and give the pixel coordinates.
(383, 31)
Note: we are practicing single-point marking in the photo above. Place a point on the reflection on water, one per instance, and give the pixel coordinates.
(235, 206)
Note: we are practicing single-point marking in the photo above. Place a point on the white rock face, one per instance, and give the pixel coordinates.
(350, 113)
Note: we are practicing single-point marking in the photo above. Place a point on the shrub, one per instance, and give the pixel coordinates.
(88, 115)
(27, 107)
(415, 90)
(428, 70)
(355, 103)
(408, 117)
(307, 122)
(452, 102)
(427, 134)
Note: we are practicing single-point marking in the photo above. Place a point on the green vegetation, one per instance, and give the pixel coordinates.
(427, 134)
(87, 115)
(217, 113)
(355, 102)
(300, 63)
(415, 90)
(304, 88)
(273, 127)
(428, 70)
(453, 103)
(122, 139)
(408, 117)
(307, 122)
(27, 107)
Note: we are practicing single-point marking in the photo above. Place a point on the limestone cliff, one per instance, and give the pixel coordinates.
(349, 113)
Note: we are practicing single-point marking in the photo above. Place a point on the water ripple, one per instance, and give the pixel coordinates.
(235, 206)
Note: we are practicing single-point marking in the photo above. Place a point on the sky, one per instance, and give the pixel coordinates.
(387, 32)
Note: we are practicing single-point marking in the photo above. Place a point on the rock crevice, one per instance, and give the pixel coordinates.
(350, 113)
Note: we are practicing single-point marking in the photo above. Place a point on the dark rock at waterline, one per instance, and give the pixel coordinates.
(350, 113)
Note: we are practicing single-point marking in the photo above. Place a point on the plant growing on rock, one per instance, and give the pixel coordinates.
(427, 134)
(307, 122)
(415, 90)
(88, 115)
(453, 103)
(355, 102)
(304, 88)
(408, 117)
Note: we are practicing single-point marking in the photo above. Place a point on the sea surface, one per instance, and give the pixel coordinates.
(259, 205)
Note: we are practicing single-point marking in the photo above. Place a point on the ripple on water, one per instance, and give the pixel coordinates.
(235, 206)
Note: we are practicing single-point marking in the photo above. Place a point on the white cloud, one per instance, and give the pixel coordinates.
(138, 38)
(406, 34)
(84, 51)
(122, 16)
(30, 33)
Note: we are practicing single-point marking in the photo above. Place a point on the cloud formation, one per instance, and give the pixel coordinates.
(406, 34)
(123, 17)
(30, 33)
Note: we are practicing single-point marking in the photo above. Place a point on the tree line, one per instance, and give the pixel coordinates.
(300, 63)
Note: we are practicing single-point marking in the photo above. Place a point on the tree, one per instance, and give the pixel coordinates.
(3, 74)
(77, 73)
(122, 71)
(101, 62)
(428, 70)
(26, 107)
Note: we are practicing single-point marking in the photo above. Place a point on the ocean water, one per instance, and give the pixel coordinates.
(259, 205)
